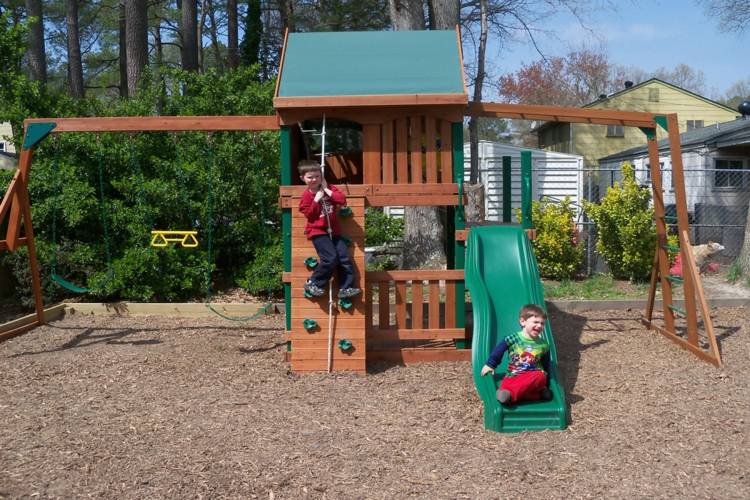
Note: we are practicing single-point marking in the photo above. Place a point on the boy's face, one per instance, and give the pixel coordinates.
(311, 179)
(532, 326)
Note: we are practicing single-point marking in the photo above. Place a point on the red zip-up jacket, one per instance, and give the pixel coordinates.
(313, 210)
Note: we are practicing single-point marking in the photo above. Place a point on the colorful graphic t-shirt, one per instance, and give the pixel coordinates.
(524, 354)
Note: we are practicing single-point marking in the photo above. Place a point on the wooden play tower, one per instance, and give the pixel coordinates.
(404, 95)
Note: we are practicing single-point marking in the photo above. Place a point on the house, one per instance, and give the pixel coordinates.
(716, 164)
(653, 96)
(7, 149)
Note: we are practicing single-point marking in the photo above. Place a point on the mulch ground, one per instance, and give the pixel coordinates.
(170, 408)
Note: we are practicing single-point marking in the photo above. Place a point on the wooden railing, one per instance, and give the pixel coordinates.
(412, 305)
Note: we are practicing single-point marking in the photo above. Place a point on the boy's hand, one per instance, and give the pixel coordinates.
(318, 196)
(486, 369)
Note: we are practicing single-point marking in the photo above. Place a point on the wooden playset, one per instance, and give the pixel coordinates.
(403, 94)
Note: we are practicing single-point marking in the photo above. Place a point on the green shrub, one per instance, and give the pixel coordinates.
(262, 276)
(624, 221)
(381, 228)
(153, 180)
(559, 253)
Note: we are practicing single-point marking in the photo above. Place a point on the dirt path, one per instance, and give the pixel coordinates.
(167, 408)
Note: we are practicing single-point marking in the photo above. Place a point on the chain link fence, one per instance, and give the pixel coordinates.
(717, 200)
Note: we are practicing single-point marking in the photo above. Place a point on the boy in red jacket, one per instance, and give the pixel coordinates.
(319, 203)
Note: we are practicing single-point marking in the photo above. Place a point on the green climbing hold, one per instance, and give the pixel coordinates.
(309, 324)
(345, 211)
(345, 344)
(311, 262)
(345, 303)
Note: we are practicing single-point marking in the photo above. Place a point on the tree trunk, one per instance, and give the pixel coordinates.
(407, 14)
(744, 257)
(444, 14)
(37, 56)
(214, 36)
(123, 53)
(286, 12)
(189, 33)
(158, 65)
(136, 41)
(478, 87)
(201, 28)
(233, 58)
(75, 66)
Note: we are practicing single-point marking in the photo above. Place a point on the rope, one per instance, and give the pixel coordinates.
(102, 214)
(330, 235)
(210, 168)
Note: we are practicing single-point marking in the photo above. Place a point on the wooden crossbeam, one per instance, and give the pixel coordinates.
(160, 123)
(561, 114)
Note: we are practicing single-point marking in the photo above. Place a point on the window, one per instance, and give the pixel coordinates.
(2, 146)
(615, 131)
(653, 95)
(694, 124)
(729, 173)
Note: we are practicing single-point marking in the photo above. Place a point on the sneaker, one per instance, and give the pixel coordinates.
(503, 396)
(313, 289)
(345, 293)
(546, 394)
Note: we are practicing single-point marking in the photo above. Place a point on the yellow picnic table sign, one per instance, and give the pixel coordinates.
(187, 239)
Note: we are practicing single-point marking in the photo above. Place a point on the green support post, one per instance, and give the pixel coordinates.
(526, 221)
(286, 222)
(459, 219)
(507, 179)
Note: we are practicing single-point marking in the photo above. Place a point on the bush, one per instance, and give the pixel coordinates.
(624, 221)
(263, 275)
(559, 253)
(381, 228)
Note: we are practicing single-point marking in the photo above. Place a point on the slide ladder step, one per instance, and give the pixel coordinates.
(675, 279)
(677, 310)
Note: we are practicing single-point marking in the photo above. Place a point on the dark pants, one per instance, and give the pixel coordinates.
(332, 255)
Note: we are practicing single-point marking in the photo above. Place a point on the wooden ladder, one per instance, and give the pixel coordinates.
(694, 297)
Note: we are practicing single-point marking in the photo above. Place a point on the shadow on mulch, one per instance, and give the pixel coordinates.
(88, 337)
(567, 329)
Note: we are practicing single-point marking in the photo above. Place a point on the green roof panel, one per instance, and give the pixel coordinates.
(371, 63)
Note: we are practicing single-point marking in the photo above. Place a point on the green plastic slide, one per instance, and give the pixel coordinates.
(502, 275)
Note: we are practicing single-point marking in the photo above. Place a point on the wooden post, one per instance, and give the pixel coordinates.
(661, 265)
(683, 226)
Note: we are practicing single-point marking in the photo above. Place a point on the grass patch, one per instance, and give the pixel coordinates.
(734, 273)
(596, 287)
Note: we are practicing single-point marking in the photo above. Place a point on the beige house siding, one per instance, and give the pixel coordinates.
(6, 143)
(6, 137)
(653, 96)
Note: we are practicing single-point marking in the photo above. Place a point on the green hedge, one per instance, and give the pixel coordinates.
(179, 181)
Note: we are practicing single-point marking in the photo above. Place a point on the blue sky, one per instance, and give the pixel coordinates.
(646, 34)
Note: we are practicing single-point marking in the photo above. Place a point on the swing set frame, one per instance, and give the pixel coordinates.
(15, 206)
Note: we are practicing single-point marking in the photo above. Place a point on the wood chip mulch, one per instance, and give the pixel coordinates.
(153, 407)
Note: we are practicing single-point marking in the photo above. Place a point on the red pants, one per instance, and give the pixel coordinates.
(526, 386)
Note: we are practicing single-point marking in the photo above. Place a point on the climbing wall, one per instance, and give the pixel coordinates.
(310, 346)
